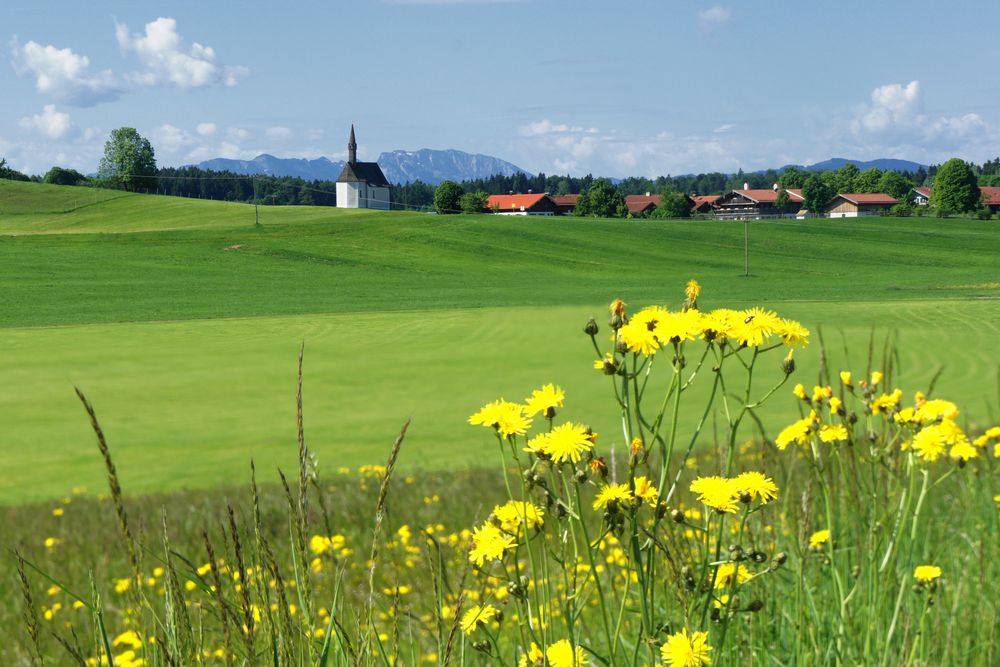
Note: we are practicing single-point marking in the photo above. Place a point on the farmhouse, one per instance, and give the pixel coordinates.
(566, 203)
(921, 196)
(991, 198)
(531, 204)
(747, 204)
(361, 184)
(860, 204)
(703, 203)
(642, 204)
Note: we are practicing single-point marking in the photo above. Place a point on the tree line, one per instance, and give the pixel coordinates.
(129, 163)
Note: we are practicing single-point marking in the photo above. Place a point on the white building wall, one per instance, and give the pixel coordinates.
(347, 195)
(378, 198)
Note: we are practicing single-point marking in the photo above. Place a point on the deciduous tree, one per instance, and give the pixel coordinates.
(816, 194)
(955, 187)
(129, 160)
(674, 205)
(447, 196)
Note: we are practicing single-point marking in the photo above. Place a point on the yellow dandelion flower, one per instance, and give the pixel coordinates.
(58, 511)
(489, 543)
(833, 433)
(646, 490)
(935, 409)
(836, 405)
(845, 378)
(886, 402)
(929, 443)
(477, 616)
(926, 573)
(536, 445)
(564, 654)
(545, 401)
(533, 657)
(637, 336)
(679, 327)
(818, 539)
(876, 377)
(128, 638)
(515, 512)
(798, 432)
(821, 393)
(757, 485)
(507, 418)
(568, 442)
(717, 492)
(757, 327)
(613, 496)
(792, 333)
(684, 650)
(692, 290)
(799, 392)
(724, 575)
(963, 451)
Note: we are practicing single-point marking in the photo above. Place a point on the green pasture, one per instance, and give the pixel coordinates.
(182, 320)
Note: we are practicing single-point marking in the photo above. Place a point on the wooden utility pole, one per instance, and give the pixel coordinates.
(746, 247)
(256, 205)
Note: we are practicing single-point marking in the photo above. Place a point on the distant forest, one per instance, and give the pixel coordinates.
(280, 190)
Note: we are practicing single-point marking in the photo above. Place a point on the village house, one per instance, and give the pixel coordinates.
(855, 205)
(639, 205)
(748, 204)
(991, 198)
(703, 203)
(530, 204)
(921, 196)
(361, 184)
(566, 203)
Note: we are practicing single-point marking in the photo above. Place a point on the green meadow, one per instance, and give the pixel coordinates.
(182, 320)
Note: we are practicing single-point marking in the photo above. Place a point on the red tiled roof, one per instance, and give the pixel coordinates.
(770, 195)
(924, 190)
(869, 198)
(566, 200)
(513, 202)
(698, 200)
(639, 203)
(991, 195)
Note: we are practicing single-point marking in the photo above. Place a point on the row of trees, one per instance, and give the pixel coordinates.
(129, 162)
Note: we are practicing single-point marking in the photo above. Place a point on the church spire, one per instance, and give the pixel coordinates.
(352, 148)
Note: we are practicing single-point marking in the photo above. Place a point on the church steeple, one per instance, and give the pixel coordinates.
(352, 148)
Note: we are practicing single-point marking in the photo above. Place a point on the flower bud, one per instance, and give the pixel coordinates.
(677, 516)
(736, 553)
(481, 646)
(788, 364)
(591, 328)
(580, 476)
(758, 556)
(661, 509)
(745, 497)
(755, 606)
(778, 560)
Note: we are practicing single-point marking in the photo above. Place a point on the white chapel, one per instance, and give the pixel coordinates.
(361, 184)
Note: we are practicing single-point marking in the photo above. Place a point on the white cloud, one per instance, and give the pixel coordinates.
(545, 126)
(50, 123)
(277, 133)
(726, 127)
(714, 16)
(63, 75)
(168, 61)
(170, 139)
(206, 129)
(237, 134)
(895, 122)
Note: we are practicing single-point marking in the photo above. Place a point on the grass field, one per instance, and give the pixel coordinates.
(185, 335)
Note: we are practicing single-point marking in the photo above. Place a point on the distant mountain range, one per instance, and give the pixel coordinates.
(429, 166)
(885, 164)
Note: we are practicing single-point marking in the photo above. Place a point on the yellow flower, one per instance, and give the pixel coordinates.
(637, 336)
(836, 405)
(886, 402)
(128, 638)
(52, 542)
(679, 327)
(533, 657)
(618, 307)
(564, 654)
(507, 418)
(692, 290)
(646, 490)
(797, 432)
(936, 409)
(832, 433)
(489, 543)
(683, 650)
(876, 377)
(568, 442)
(724, 575)
(536, 445)
(799, 392)
(716, 492)
(926, 573)
(757, 326)
(845, 378)
(757, 485)
(512, 514)
(58, 511)
(613, 496)
(544, 400)
(477, 616)
(792, 333)
(963, 451)
(818, 539)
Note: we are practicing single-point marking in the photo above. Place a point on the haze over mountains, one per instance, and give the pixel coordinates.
(429, 166)
(434, 166)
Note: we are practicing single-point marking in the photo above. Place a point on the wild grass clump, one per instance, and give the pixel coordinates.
(865, 532)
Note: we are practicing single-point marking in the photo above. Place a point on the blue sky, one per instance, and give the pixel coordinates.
(626, 88)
